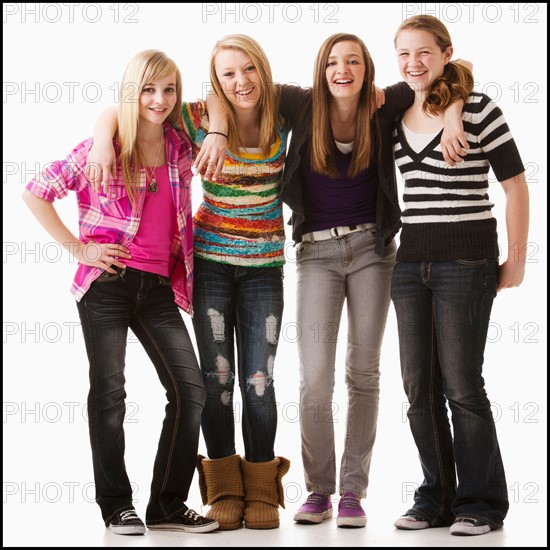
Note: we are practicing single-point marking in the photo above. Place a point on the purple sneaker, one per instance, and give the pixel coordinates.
(315, 509)
(350, 512)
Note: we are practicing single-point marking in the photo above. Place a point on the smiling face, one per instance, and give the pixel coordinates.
(157, 99)
(238, 78)
(420, 59)
(345, 71)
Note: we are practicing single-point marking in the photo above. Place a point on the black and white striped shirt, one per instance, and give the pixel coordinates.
(447, 208)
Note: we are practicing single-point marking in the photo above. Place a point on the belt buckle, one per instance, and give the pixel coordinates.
(334, 232)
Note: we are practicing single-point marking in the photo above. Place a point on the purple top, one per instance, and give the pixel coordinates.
(344, 200)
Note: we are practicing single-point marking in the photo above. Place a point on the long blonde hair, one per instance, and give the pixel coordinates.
(456, 82)
(145, 67)
(322, 142)
(269, 100)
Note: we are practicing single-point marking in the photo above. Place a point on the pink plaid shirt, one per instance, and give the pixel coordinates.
(109, 218)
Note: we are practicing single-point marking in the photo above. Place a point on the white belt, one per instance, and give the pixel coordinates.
(335, 232)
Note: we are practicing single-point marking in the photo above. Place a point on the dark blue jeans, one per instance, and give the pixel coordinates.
(242, 304)
(443, 311)
(145, 303)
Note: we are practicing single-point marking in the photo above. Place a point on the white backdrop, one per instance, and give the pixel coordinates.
(62, 63)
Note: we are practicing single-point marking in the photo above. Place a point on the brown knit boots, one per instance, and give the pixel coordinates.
(263, 492)
(221, 485)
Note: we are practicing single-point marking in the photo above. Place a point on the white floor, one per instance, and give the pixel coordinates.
(49, 490)
(47, 468)
(80, 525)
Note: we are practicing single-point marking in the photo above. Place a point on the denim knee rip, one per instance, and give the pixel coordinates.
(217, 323)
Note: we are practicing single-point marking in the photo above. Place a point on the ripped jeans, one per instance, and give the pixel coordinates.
(243, 305)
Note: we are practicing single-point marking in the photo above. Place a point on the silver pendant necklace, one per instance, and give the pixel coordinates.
(153, 186)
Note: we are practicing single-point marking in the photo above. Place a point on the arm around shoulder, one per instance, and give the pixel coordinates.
(214, 149)
(293, 101)
(101, 162)
(398, 97)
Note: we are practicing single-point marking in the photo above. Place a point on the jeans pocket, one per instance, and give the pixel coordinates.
(472, 263)
(371, 231)
(107, 277)
(164, 281)
(303, 246)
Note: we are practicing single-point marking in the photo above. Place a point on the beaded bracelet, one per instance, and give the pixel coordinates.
(218, 133)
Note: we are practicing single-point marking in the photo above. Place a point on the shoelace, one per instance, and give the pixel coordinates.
(191, 514)
(349, 502)
(316, 498)
(128, 514)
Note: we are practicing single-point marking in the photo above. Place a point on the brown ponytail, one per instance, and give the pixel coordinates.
(455, 83)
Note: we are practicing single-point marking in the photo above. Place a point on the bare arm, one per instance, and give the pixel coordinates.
(92, 253)
(512, 270)
(101, 161)
(215, 146)
(454, 144)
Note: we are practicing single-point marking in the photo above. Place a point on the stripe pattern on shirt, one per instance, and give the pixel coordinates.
(240, 220)
(437, 193)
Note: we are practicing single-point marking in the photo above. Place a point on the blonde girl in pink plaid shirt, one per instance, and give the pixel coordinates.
(135, 268)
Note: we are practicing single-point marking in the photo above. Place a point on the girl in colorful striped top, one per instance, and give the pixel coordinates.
(445, 281)
(238, 284)
(239, 255)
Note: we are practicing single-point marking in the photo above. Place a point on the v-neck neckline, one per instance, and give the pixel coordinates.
(420, 155)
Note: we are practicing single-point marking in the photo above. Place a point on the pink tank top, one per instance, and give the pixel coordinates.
(150, 249)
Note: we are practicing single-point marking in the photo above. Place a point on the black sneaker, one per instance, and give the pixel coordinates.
(126, 522)
(411, 521)
(469, 526)
(188, 521)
